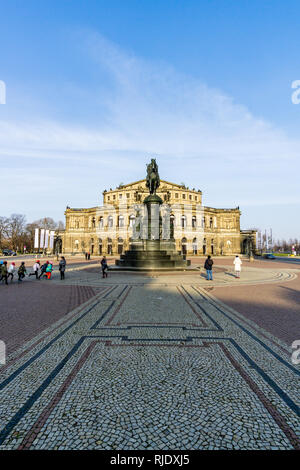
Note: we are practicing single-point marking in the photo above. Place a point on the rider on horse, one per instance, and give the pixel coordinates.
(152, 181)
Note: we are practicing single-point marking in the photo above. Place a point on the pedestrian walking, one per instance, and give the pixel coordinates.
(4, 272)
(49, 270)
(22, 271)
(89, 255)
(237, 266)
(86, 255)
(208, 266)
(1, 263)
(43, 269)
(104, 267)
(62, 267)
(11, 271)
(36, 268)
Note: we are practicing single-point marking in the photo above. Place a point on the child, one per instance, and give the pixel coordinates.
(21, 271)
(11, 271)
(49, 270)
(36, 268)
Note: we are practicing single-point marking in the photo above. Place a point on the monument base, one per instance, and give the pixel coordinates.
(151, 255)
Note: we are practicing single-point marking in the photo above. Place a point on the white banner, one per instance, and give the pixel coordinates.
(42, 238)
(36, 238)
(52, 239)
(46, 238)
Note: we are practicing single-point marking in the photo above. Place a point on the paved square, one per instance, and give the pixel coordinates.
(156, 361)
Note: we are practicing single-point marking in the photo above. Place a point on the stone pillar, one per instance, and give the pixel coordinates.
(153, 203)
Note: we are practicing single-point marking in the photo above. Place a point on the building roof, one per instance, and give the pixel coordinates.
(175, 185)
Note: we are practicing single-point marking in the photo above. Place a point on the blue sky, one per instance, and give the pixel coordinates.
(96, 88)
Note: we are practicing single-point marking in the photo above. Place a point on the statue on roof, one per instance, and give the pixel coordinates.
(152, 180)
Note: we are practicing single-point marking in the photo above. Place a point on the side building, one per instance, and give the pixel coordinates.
(197, 229)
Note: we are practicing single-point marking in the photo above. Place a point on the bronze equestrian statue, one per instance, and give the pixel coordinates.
(152, 181)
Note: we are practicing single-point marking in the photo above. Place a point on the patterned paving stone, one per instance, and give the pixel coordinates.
(29, 308)
(152, 362)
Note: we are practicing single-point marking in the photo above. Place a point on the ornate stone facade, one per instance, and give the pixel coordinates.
(197, 229)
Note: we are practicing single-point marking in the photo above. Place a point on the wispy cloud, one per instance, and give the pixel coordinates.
(200, 135)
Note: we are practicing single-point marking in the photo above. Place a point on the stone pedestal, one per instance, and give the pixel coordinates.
(153, 253)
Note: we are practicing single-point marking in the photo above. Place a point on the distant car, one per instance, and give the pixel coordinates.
(269, 256)
(9, 253)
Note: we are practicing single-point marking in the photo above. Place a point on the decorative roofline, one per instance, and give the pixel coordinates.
(179, 186)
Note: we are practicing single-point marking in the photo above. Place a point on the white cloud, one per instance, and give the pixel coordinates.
(151, 109)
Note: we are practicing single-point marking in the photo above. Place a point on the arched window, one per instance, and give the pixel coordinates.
(203, 222)
(131, 220)
(183, 221)
(101, 222)
(184, 246)
(109, 246)
(110, 221)
(120, 221)
(194, 222)
(120, 245)
(93, 222)
(92, 246)
(210, 222)
(204, 246)
(195, 246)
(212, 249)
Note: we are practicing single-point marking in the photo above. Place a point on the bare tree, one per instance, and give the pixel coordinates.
(4, 221)
(60, 225)
(30, 232)
(16, 230)
(46, 223)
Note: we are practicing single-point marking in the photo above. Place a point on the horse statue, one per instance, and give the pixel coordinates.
(152, 181)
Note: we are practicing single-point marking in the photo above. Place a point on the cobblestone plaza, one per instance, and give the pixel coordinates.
(152, 361)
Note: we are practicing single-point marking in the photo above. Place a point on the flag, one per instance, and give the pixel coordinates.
(42, 238)
(46, 238)
(36, 238)
(51, 239)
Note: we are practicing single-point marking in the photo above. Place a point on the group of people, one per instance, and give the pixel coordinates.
(9, 272)
(209, 264)
(39, 271)
(46, 269)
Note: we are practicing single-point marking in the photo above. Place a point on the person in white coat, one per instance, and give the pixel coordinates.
(11, 271)
(237, 265)
(36, 268)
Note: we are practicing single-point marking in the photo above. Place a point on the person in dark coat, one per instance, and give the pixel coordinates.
(62, 267)
(208, 266)
(4, 272)
(21, 271)
(104, 266)
(43, 269)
